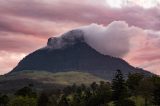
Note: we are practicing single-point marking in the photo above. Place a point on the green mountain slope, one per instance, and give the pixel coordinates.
(45, 80)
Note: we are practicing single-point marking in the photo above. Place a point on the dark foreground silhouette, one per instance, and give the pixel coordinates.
(136, 90)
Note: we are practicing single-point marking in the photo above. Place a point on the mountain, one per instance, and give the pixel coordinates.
(70, 52)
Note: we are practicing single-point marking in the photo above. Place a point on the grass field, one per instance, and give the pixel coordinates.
(63, 78)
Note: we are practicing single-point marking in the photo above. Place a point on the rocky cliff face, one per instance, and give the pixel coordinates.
(69, 38)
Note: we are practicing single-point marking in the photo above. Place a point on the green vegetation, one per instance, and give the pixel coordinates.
(62, 78)
(23, 101)
(4, 99)
(120, 90)
(136, 90)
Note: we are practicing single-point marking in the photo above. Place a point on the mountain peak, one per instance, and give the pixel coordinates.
(66, 39)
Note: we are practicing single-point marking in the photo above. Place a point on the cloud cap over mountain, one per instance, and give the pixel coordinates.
(113, 39)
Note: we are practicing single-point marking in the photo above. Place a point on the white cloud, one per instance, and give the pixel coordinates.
(113, 39)
(141, 3)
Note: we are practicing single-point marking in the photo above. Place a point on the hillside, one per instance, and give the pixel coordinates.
(45, 80)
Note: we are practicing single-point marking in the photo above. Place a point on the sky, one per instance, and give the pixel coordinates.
(26, 25)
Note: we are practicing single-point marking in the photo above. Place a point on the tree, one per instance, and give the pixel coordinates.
(54, 97)
(4, 99)
(67, 90)
(156, 91)
(94, 87)
(133, 82)
(63, 101)
(74, 87)
(104, 92)
(78, 96)
(119, 89)
(43, 99)
(156, 95)
(26, 91)
(23, 101)
(128, 102)
(146, 88)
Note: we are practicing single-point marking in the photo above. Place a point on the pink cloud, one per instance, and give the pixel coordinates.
(26, 25)
(9, 60)
(85, 12)
(20, 43)
(146, 53)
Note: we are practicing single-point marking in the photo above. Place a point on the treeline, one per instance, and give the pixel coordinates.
(136, 90)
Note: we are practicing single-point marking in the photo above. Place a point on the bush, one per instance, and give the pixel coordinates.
(23, 101)
(128, 102)
(4, 99)
(26, 91)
